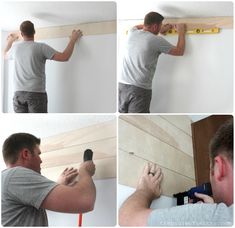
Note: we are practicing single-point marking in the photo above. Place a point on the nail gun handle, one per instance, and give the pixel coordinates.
(88, 154)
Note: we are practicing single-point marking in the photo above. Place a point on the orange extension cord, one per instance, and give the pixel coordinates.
(80, 220)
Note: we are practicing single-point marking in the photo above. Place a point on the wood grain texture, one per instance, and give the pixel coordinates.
(78, 137)
(191, 23)
(180, 121)
(163, 130)
(203, 22)
(149, 148)
(131, 167)
(74, 154)
(66, 150)
(105, 168)
(98, 28)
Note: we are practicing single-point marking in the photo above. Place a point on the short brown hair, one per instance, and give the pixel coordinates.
(222, 142)
(16, 142)
(153, 18)
(27, 28)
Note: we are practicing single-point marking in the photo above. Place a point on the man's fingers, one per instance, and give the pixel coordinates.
(158, 176)
(153, 168)
(146, 169)
(65, 170)
(68, 171)
(71, 175)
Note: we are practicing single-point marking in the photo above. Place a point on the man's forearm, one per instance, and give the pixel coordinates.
(181, 42)
(136, 209)
(8, 46)
(69, 49)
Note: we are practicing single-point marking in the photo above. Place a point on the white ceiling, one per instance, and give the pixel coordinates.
(54, 13)
(173, 9)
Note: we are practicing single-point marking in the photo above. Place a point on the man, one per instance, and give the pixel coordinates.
(136, 209)
(140, 59)
(30, 59)
(26, 193)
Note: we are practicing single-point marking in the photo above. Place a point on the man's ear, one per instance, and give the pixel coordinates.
(25, 154)
(219, 169)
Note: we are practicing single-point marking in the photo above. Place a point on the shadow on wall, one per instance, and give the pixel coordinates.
(191, 82)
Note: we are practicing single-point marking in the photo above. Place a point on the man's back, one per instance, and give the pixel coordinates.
(142, 51)
(23, 191)
(30, 58)
(201, 214)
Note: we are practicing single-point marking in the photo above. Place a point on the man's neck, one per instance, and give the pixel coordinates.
(28, 38)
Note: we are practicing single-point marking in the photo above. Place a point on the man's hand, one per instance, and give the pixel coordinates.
(165, 28)
(87, 168)
(68, 176)
(181, 28)
(205, 198)
(150, 181)
(76, 34)
(13, 37)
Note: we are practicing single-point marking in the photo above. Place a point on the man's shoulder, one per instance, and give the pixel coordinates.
(193, 214)
(17, 169)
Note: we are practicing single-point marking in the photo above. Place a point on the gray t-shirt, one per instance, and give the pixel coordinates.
(30, 59)
(200, 214)
(140, 58)
(23, 191)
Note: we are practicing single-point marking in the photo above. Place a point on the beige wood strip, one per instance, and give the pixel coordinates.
(78, 137)
(134, 140)
(163, 130)
(98, 28)
(180, 121)
(130, 169)
(105, 168)
(192, 23)
(204, 23)
(74, 154)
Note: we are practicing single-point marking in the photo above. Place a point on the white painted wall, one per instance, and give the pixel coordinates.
(104, 213)
(163, 202)
(201, 81)
(85, 84)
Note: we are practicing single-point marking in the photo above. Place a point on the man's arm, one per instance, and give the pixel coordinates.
(136, 209)
(78, 198)
(179, 49)
(10, 40)
(66, 54)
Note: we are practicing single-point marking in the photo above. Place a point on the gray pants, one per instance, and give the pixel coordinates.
(30, 102)
(133, 99)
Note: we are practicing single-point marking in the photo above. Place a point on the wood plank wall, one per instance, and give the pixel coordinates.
(66, 150)
(164, 140)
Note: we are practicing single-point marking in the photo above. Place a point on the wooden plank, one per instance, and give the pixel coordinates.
(191, 23)
(78, 137)
(203, 22)
(88, 29)
(105, 168)
(180, 121)
(74, 154)
(134, 140)
(163, 130)
(130, 169)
